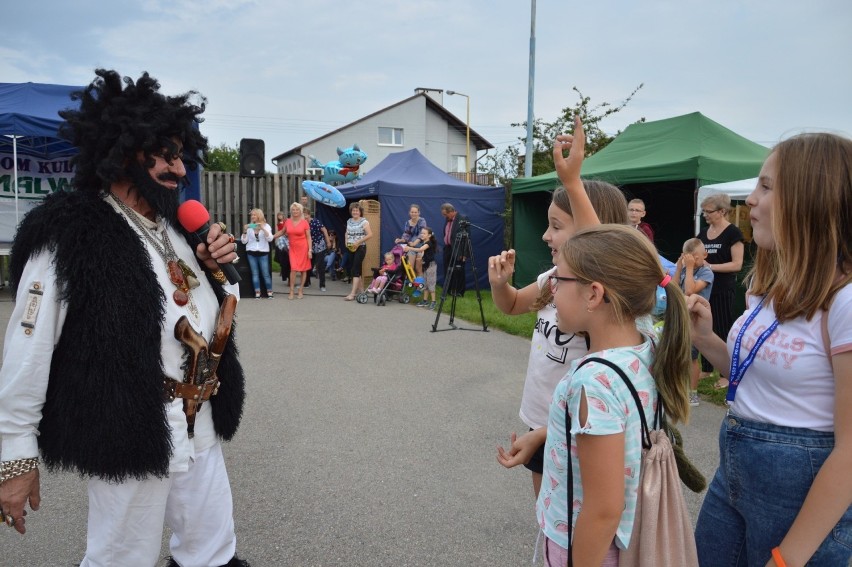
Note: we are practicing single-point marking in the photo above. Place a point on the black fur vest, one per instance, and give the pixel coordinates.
(105, 415)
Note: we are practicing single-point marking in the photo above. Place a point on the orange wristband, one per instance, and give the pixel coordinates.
(776, 556)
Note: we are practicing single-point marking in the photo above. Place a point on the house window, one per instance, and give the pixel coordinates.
(390, 136)
(458, 164)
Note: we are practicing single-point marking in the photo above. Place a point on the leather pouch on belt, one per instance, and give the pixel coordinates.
(202, 359)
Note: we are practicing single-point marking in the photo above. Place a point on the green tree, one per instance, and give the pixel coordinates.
(508, 164)
(223, 158)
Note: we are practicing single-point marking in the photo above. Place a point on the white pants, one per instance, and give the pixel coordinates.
(126, 520)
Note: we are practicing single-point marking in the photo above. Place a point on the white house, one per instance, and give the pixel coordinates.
(420, 121)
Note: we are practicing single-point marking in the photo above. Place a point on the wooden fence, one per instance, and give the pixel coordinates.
(229, 197)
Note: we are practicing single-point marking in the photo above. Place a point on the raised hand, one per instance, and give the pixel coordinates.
(568, 168)
(501, 268)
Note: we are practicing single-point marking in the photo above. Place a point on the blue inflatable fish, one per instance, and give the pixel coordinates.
(324, 193)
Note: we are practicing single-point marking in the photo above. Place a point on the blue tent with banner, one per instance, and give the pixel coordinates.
(33, 158)
(405, 178)
(32, 152)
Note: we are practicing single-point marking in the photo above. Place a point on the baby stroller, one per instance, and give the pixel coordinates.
(394, 286)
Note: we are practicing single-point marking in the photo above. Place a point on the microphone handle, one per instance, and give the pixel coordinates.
(229, 270)
(231, 273)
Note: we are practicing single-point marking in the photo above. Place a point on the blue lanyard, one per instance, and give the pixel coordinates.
(738, 370)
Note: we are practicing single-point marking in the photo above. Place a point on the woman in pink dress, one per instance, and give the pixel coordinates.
(298, 231)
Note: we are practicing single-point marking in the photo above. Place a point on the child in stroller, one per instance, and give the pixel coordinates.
(380, 277)
(387, 279)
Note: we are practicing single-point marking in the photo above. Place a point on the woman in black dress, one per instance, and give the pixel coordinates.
(724, 244)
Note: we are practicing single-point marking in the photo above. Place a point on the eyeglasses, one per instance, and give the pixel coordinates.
(706, 212)
(635, 210)
(554, 281)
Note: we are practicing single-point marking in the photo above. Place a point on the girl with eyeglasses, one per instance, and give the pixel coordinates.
(551, 350)
(605, 286)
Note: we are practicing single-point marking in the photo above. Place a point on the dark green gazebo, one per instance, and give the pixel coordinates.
(662, 162)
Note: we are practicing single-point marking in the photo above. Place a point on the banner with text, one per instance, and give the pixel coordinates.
(37, 178)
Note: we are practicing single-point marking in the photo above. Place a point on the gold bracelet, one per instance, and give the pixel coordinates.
(219, 276)
(18, 467)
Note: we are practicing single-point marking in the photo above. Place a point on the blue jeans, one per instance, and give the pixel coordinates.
(329, 260)
(764, 474)
(260, 265)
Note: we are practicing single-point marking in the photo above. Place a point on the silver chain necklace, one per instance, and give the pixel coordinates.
(180, 274)
(165, 250)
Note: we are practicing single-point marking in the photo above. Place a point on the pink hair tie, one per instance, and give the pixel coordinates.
(666, 279)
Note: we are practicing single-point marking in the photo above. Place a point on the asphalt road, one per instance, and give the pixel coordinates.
(367, 440)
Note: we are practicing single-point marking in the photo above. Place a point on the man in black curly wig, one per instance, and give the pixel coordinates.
(109, 366)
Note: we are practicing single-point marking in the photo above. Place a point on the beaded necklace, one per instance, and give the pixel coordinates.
(180, 274)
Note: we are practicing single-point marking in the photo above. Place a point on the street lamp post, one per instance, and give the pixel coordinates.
(467, 145)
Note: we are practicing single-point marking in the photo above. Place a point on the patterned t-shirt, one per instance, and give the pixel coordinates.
(317, 237)
(611, 410)
(355, 230)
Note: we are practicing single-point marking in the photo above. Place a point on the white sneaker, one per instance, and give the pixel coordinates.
(322, 289)
(694, 400)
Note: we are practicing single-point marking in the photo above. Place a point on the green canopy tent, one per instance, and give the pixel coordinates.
(662, 162)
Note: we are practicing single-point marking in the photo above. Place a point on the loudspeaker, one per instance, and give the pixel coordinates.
(251, 158)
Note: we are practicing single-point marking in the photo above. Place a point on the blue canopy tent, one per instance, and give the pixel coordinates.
(29, 139)
(28, 131)
(408, 177)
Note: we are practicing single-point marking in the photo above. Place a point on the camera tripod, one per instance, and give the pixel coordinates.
(462, 252)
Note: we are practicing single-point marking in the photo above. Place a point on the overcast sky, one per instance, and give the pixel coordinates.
(288, 72)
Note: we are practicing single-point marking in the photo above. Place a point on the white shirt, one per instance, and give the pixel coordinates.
(258, 241)
(551, 355)
(26, 357)
(791, 382)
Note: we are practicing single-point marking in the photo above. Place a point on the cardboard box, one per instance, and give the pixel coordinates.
(740, 217)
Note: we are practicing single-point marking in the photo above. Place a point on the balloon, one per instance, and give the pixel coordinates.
(324, 193)
(345, 169)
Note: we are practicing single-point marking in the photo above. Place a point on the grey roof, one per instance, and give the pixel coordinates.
(478, 141)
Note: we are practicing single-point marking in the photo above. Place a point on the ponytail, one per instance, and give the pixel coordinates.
(672, 356)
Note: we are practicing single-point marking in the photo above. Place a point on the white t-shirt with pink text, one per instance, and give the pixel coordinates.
(790, 382)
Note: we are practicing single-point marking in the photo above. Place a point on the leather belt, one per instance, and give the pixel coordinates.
(196, 392)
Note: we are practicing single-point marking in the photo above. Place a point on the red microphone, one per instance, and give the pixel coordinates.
(194, 218)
